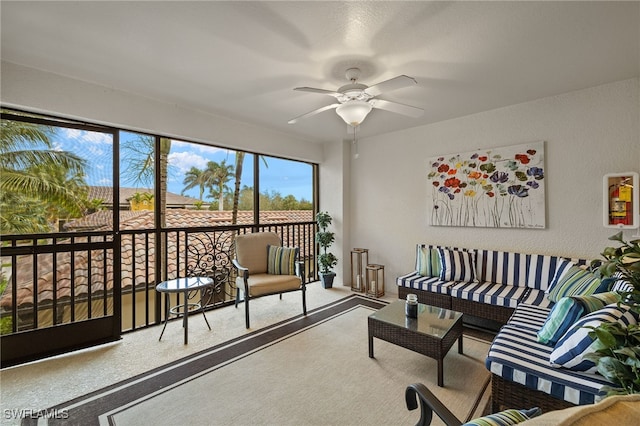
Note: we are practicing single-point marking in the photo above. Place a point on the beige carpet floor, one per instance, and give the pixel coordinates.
(312, 372)
(315, 375)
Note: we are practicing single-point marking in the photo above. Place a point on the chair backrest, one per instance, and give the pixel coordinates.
(251, 250)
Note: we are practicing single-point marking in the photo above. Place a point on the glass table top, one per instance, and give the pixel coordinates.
(184, 284)
(432, 321)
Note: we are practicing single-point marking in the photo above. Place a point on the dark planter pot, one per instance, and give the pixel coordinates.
(327, 279)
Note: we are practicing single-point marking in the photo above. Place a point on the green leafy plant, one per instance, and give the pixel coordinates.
(617, 348)
(326, 260)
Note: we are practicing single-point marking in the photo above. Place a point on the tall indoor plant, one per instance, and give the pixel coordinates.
(326, 260)
(617, 353)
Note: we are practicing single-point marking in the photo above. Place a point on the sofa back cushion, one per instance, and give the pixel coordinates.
(501, 267)
(541, 269)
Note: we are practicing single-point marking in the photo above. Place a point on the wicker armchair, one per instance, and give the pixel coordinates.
(264, 270)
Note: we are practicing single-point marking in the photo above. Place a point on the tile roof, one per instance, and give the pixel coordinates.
(105, 193)
(138, 265)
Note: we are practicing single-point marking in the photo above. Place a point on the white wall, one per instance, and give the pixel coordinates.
(588, 133)
(45, 92)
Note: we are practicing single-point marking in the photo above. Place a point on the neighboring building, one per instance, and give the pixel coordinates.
(105, 193)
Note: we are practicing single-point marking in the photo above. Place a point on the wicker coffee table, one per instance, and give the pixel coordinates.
(432, 334)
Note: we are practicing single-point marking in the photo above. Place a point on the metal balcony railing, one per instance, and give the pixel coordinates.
(53, 279)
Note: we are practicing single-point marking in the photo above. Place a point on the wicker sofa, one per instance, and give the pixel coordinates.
(509, 289)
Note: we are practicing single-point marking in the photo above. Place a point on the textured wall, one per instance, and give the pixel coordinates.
(588, 133)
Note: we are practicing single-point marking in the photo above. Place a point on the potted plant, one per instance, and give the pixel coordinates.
(326, 260)
(617, 355)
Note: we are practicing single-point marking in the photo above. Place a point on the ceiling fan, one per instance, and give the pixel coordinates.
(355, 100)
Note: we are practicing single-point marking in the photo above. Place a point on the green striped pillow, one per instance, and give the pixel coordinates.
(281, 260)
(574, 281)
(427, 261)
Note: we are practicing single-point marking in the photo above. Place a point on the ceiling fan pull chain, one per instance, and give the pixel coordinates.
(355, 143)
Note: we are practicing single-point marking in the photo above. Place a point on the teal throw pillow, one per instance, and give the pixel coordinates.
(567, 311)
(281, 260)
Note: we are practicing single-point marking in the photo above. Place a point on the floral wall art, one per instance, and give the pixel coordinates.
(495, 188)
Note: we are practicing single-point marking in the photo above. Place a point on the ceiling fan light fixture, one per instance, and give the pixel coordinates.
(354, 112)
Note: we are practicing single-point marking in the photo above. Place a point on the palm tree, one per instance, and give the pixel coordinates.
(236, 191)
(28, 183)
(139, 158)
(194, 177)
(216, 177)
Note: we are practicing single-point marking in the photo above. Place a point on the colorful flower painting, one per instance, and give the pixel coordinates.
(497, 188)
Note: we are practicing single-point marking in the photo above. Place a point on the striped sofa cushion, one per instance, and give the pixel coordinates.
(537, 297)
(495, 294)
(541, 269)
(531, 317)
(416, 281)
(515, 355)
(501, 267)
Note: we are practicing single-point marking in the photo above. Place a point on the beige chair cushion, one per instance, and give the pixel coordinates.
(613, 410)
(251, 250)
(260, 284)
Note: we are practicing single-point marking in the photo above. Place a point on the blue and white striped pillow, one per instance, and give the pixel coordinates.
(457, 265)
(620, 284)
(571, 349)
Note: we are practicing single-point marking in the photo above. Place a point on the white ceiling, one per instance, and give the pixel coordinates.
(242, 59)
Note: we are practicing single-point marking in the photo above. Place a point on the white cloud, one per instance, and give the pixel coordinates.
(94, 138)
(195, 147)
(183, 161)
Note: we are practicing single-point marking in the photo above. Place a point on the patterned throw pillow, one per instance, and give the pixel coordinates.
(457, 265)
(428, 261)
(505, 418)
(281, 260)
(574, 281)
(567, 311)
(571, 349)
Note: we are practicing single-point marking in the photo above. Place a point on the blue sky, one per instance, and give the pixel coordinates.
(283, 176)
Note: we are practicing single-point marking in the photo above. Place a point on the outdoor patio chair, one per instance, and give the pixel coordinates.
(266, 268)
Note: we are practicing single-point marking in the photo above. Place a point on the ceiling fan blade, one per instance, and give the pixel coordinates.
(321, 91)
(314, 112)
(403, 109)
(395, 83)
